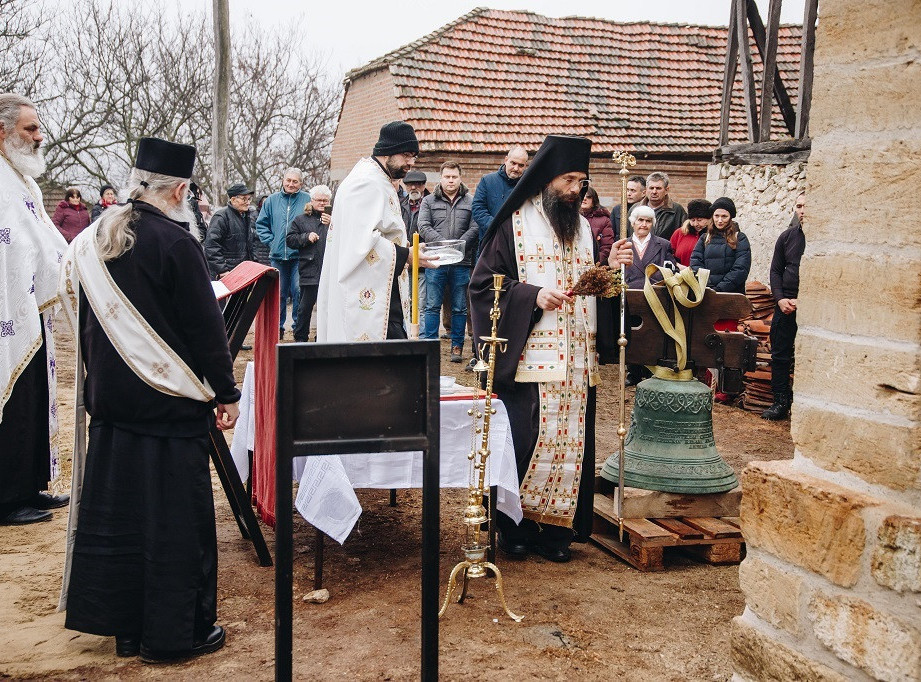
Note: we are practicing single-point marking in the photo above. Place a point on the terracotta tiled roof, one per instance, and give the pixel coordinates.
(494, 78)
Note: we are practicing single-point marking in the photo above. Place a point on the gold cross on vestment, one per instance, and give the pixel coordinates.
(540, 258)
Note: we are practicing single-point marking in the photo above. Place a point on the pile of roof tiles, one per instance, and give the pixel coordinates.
(757, 395)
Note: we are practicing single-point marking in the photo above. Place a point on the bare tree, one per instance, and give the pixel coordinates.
(22, 50)
(134, 72)
(284, 108)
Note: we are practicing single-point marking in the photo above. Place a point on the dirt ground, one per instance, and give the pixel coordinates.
(595, 618)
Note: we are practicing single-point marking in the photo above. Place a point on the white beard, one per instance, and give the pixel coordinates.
(182, 213)
(26, 158)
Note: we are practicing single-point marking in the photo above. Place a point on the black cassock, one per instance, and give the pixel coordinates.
(519, 314)
(145, 552)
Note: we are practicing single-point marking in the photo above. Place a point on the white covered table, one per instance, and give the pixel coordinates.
(325, 496)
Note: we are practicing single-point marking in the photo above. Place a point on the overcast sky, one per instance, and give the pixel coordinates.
(349, 33)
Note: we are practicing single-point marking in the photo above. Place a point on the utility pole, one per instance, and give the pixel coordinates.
(221, 13)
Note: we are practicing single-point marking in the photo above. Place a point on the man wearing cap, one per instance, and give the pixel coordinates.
(410, 201)
(363, 293)
(142, 548)
(547, 375)
(229, 241)
(30, 252)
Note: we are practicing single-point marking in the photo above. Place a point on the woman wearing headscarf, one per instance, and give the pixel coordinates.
(684, 239)
(723, 250)
(600, 220)
(106, 198)
(648, 249)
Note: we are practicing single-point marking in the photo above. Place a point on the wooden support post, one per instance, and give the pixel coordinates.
(769, 60)
(748, 71)
(222, 71)
(805, 69)
(780, 90)
(729, 76)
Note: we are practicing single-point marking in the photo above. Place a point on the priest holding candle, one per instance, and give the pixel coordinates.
(364, 292)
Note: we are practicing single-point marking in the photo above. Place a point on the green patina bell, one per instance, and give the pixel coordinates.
(670, 446)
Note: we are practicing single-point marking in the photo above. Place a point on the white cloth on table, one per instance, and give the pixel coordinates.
(388, 470)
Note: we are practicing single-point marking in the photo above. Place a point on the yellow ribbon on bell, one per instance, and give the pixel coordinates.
(687, 290)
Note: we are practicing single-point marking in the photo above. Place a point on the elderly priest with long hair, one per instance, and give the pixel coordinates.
(142, 551)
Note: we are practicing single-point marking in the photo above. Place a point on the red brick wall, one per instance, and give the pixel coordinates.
(369, 103)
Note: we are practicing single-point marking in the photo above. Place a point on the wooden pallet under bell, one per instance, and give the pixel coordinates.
(713, 540)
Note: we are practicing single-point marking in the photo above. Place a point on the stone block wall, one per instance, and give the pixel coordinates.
(764, 197)
(832, 578)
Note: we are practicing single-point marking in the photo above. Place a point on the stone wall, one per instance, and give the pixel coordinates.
(764, 197)
(832, 578)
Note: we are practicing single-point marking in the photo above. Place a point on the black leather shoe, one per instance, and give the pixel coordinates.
(127, 646)
(513, 549)
(211, 643)
(24, 516)
(45, 500)
(558, 554)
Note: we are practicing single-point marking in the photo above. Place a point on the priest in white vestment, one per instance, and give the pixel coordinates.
(363, 293)
(30, 254)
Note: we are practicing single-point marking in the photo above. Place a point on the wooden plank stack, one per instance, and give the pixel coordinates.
(757, 396)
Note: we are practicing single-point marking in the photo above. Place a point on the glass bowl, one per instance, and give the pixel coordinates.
(446, 252)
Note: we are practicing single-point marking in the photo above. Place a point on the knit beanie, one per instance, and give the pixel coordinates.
(102, 190)
(396, 137)
(724, 203)
(699, 208)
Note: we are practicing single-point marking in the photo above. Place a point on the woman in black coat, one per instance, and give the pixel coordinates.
(307, 233)
(723, 250)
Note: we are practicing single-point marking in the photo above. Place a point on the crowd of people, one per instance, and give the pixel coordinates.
(136, 288)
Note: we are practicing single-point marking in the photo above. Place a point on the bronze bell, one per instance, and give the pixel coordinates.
(670, 446)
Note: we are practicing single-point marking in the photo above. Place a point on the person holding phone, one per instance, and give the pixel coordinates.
(307, 234)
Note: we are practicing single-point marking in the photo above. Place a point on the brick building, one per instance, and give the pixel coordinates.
(493, 78)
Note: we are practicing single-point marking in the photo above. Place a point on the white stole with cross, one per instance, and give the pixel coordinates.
(544, 262)
(138, 344)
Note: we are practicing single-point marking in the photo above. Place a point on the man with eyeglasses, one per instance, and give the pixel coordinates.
(230, 236)
(547, 375)
(364, 294)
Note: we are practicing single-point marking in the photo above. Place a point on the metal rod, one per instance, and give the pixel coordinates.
(625, 160)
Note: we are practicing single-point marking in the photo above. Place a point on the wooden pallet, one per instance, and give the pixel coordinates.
(716, 541)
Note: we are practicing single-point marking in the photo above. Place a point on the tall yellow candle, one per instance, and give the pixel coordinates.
(415, 301)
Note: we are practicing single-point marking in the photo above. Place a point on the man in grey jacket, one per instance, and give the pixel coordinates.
(447, 214)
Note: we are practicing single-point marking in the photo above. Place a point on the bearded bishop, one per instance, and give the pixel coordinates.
(548, 374)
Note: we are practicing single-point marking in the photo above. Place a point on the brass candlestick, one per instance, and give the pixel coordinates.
(625, 160)
(475, 564)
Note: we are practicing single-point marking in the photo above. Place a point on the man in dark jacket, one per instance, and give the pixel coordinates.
(670, 215)
(785, 287)
(307, 234)
(493, 189)
(447, 214)
(230, 236)
(636, 192)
